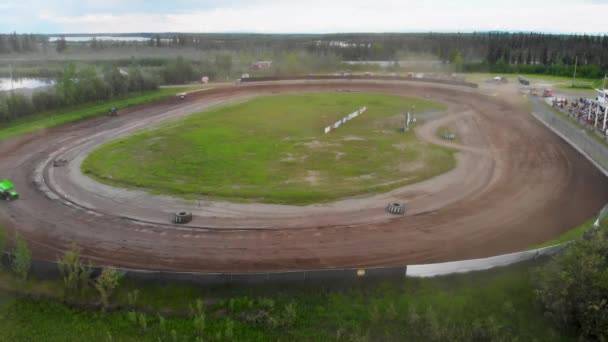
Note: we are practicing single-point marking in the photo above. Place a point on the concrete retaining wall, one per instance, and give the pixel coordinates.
(581, 139)
(464, 266)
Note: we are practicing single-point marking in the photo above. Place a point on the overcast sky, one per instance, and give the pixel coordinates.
(302, 16)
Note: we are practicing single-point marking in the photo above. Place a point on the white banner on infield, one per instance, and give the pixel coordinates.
(345, 119)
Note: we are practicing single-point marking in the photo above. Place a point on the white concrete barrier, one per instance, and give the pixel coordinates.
(344, 120)
(464, 266)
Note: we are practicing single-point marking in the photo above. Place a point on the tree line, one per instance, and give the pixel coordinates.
(490, 47)
(18, 43)
(75, 87)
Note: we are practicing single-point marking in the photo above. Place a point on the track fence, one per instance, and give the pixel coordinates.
(347, 276)
(581, 139)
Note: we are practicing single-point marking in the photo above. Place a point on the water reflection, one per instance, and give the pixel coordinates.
(19, 83)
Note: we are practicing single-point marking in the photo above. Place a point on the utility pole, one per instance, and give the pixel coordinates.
(575, 64)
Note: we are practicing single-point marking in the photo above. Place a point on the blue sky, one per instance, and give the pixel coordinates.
(310, 16)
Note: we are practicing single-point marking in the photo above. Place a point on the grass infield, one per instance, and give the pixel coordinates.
(272, 149)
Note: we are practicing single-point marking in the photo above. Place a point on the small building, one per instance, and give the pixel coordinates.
(260, 65)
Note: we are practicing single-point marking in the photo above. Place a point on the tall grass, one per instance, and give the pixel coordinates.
(498, 304)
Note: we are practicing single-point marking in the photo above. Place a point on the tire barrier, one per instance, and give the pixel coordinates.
(361, 77)
(181, 217)
(395, 209)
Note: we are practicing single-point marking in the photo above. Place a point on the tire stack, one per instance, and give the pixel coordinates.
(395, 209)
(181, 217)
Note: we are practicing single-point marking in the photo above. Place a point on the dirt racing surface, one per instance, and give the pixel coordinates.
(515, 185)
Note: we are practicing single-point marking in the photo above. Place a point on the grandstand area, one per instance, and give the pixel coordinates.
(592, 113)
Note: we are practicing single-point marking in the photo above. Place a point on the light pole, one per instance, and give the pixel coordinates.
(575, 64)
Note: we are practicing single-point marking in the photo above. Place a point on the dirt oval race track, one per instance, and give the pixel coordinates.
(516, 185)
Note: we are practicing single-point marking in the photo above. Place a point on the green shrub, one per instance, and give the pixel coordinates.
(75, 275)
(22, 259)
(106, 283)
(3, 239)
(132, 297)
(142, 320)
(573, 287)
(198, 313)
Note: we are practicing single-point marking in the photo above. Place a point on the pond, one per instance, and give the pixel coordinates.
(104, 38)
(20, 83)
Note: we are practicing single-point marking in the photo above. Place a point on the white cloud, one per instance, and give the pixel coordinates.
(354, 16)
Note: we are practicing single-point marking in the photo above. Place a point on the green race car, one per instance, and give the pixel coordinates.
(7, 191)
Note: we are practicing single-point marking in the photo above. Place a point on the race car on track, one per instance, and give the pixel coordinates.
(7, 190)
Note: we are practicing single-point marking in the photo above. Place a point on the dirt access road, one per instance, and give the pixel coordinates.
(516, 184)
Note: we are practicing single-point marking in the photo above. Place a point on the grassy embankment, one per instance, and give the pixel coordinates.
(61, 116)
(496, 304)
(273, 149)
